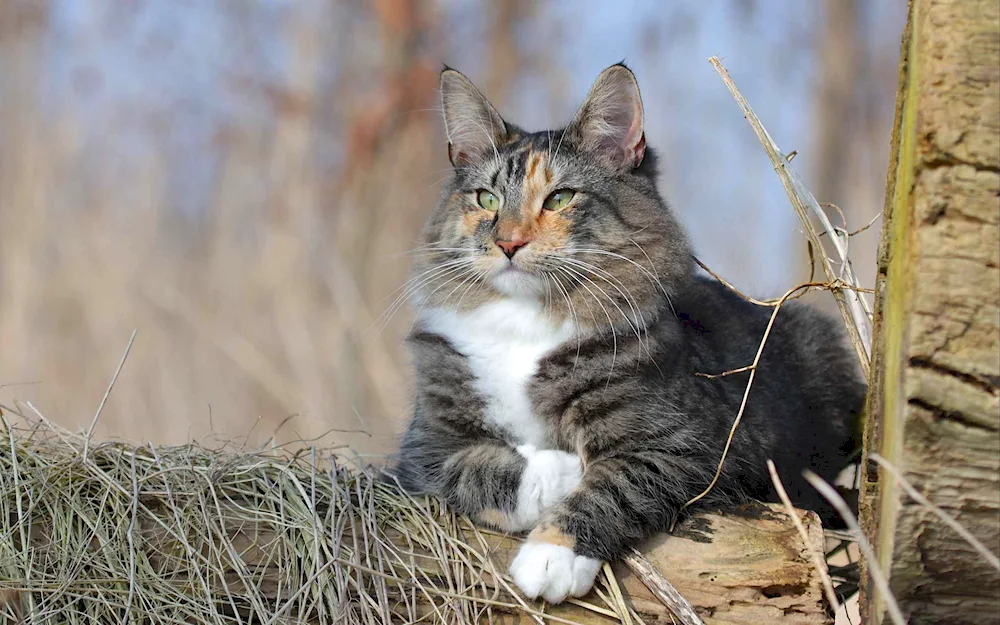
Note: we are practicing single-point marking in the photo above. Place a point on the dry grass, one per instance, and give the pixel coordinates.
(188, 534)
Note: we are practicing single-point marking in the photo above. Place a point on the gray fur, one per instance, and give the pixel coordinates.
(624, 396)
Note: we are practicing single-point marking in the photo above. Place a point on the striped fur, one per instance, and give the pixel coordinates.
(586, 343)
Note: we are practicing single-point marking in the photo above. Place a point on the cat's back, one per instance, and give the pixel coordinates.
(806, 349)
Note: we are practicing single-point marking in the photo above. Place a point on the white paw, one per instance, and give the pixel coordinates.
(548, 477)
(553, 572)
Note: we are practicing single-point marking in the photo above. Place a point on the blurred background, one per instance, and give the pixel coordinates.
(241, 180)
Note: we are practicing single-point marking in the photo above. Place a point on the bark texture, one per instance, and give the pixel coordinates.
(934, 407)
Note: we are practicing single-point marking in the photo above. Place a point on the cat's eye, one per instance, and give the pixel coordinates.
(558, 199)
(487, 200)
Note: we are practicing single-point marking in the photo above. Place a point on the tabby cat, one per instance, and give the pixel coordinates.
(559, 331)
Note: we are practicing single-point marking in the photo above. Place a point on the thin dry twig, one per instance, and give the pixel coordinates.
(831, 495)
(812, 261)
(730, 286)
(771, 303)
(818, 560)
(714, 376)
(855, 311)
(867, 226)
(752, 368)
(662, 588)
(107, 393)
(31, 383)
(843, 218)
(948, 520)
(617, 598)
(746, 392)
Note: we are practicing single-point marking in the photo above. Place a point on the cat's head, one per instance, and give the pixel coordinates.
(558, 215)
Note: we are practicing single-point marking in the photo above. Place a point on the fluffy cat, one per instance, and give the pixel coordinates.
(560, 326)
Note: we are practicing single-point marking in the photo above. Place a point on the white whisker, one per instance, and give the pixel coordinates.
(653, 278)
(611, 325)
(415, 284)
(635, 326)
(630, 300)
(573, 315)
(468, 272)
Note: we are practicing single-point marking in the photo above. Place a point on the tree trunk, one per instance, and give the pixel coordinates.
(934, 408)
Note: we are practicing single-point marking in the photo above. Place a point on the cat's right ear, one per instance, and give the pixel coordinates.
(609, 123)
(474, 128)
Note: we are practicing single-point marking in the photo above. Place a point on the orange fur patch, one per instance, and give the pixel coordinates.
(546, 533)
(512, 229)
(553, 229)
(547, 229)
(471, 221)
(532, 165)
(536, 188)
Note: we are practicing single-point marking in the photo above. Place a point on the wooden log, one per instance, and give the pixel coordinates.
(746, 565)
(934, 408)
(187, 535)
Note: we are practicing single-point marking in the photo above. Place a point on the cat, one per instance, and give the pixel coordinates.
(560, 327)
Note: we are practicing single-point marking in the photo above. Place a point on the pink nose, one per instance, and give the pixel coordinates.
(510, 247)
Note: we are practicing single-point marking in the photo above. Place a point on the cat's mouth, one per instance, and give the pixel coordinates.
(513, 280)
(510, 266)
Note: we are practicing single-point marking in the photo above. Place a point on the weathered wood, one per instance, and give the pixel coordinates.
(187, 535)
(934, 407)
(748, 566)
(733, 568)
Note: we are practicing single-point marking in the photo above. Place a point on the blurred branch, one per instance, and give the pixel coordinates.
(835, 97)
(506, 53)
(410, 82)
(236, 347)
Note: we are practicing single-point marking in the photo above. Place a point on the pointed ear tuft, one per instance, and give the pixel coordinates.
(609, 124)
(474, 128)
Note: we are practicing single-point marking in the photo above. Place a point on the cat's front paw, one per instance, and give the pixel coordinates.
(553, 572)
(547, 478)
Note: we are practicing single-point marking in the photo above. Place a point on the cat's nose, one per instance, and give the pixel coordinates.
(510, 247)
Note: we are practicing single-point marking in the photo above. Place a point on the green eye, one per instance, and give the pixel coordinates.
(487, 200)
(558, 199)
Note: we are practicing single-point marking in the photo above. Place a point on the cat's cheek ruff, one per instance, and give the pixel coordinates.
(547, 478)
(553, 572)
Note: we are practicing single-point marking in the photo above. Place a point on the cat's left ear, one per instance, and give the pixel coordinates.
(475, 130)
(609, 123)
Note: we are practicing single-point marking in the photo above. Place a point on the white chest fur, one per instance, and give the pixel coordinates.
(503, 342)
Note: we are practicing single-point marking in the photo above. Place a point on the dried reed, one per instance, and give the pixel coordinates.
(187, 534)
